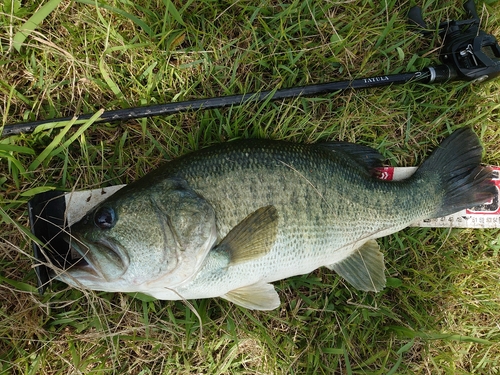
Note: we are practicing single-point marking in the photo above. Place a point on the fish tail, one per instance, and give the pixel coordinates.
(455, 170)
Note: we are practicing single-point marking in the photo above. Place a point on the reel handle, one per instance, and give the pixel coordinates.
(470, 9)
(415, 16)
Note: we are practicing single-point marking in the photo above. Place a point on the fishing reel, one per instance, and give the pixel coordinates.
(469, 53)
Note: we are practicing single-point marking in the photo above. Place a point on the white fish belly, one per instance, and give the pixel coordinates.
(297, 251)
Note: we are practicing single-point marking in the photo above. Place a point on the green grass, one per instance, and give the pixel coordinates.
(439, 314)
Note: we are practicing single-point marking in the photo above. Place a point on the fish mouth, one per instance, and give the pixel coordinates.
(96, 260)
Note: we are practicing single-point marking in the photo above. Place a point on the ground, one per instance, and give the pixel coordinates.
(439, 312)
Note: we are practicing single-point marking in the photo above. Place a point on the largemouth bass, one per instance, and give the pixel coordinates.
(228, 220)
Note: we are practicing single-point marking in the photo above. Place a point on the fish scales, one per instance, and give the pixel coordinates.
(326, 205)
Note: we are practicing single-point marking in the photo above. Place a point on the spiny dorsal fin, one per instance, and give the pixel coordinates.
(364, 269)
(259, 296)
(365, 156)
(251, 238)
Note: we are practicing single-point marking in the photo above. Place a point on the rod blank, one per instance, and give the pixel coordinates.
(226, 101)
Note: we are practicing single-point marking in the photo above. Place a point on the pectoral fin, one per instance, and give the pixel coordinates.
(364, 269)
(251, 238)
(260, 296)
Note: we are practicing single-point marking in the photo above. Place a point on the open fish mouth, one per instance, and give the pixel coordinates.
(82, 266)
(91, 259)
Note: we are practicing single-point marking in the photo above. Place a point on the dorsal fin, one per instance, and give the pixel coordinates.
(365, 156)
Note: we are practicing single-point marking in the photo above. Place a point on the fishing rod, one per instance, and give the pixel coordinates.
(468, 54)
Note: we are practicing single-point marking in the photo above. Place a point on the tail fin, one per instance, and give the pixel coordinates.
(456, 164)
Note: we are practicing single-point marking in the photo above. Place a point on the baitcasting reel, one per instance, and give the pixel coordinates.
(470, 53)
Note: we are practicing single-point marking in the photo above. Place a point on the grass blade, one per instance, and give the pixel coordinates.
(52, 148)
(33, 22)
(143, 25)
(172, 10)
(23, 287)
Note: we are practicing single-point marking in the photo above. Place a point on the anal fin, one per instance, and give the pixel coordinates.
(259, 296)
(364, 269)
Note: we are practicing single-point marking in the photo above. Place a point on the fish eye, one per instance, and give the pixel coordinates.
(105, 218)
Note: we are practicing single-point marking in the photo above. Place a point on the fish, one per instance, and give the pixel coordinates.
(229, 220)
